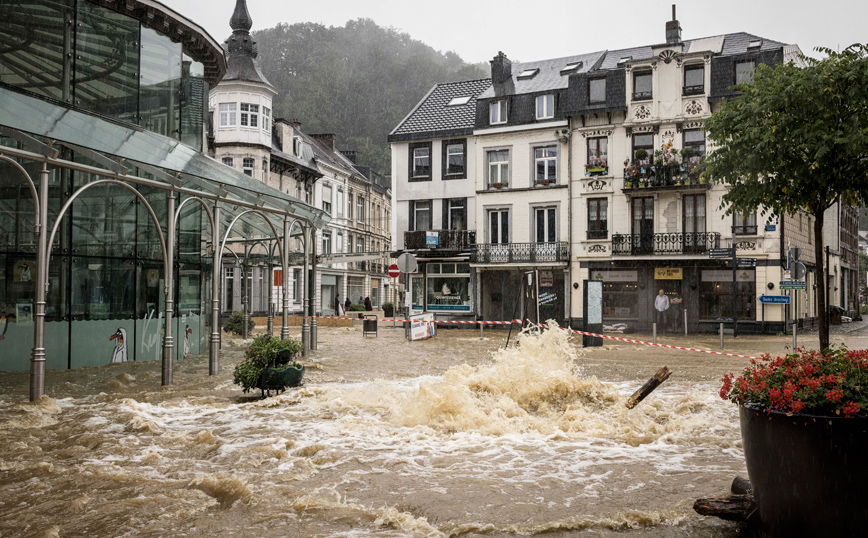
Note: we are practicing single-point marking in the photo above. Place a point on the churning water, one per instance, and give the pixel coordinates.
(520, 443)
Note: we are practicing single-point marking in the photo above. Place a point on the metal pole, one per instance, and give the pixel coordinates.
(313, 289)
(734, 288)
(305, 323)
(284, 329)
(654, 331)
(216, 286)
(481, 330)
(721, 336)
(37, 355)
(795, 338)
(168, 340)
(245, 297)
(685, 322)
(270, 283)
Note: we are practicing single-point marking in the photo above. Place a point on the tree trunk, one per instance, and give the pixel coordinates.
(822, 284)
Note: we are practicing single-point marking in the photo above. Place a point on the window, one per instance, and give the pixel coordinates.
(340, 203)
(545, 107)
(715, 294)
(420, 162)
(644, 142)
(456, 101)
(264, 169)
(456, 214)
(326, 243)
(643, 225)
(296, 146)
(745, 223)
(360, 209)
(545, 224)
(227, 114)
(454, 159)
(546, 164)
(350, 205)
(694, 222)
(448, 287)
(247, 165)
(598, 218)
(296, 284)
(327, 199)
(570, 67)
(308, 194)
(597, 91)
(420, 212)
(497, 112)
(228, 161)
(498, 226)
(298, 189)
(266, 119)
(694, 79)
(642, 85)
(339, 246)
(528, 73)
(249, 115)
(695, 140)
(754, 43)
(598, 156)
(744, 71)
(498, 168)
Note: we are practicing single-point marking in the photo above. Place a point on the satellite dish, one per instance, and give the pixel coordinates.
(407, 263)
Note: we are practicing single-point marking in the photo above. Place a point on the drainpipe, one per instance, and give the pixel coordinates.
(568, 137)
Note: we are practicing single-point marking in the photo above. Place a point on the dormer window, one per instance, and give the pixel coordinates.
(597, 91)
(570, 67)
(642, 88)
(545, 107)
(497, 112)
(296, 146)
(623, 61)
(744, 72)
(754, 44)
(457, 101)
(528, 73)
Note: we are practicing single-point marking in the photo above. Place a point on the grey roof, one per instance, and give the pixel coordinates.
(737, 43)
(432, 113)
(549, 76)
(241, 51)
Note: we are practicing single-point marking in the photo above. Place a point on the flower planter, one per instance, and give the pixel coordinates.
(280, 378)
(543, 182)
(808, 472)
(496, 185)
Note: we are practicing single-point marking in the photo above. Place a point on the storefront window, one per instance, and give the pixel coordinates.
(448, 289)
(620, 293)
(418, 293)
(715, 294)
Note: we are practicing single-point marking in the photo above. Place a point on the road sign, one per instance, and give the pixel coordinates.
(407, 263)
(744, 263)
(799, 271)
(793, 285)
(394, 272)
(718, 253)
(787, 275)
(774, 299)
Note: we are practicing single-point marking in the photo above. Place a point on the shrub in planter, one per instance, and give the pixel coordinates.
(804, 426)
(265, 359)
(388, 309)
(234, 323)
(357, 307)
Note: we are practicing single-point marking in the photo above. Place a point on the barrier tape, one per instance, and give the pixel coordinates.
(574, 331)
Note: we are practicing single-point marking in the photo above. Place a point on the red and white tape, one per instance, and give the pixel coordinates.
(430, 321)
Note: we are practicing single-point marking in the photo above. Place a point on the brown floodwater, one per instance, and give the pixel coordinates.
(452, 436)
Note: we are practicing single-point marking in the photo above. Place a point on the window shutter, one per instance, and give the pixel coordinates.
(412, 215)
(444, 224)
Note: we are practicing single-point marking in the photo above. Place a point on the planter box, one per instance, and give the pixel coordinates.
(279, 379)
(808, 472)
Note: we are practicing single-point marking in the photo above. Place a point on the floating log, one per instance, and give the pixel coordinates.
(646, 389)
(734, 508)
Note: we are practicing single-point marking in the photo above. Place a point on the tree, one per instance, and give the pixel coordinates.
(796, 139)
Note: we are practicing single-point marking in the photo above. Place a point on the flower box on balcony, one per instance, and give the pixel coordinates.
(542, 182)
(596, 170)
(496, 185)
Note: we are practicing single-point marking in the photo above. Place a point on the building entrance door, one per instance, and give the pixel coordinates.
(672, 289)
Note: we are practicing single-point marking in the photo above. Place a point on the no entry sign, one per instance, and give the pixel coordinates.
(394, 272)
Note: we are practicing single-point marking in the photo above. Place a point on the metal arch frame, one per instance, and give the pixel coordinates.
(269, 249)
(33, 193)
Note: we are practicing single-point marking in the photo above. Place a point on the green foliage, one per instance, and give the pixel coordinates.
(357, 307)
(388, 305)
(795, 141)
(263, 353)
(358, 80)
(234, 323)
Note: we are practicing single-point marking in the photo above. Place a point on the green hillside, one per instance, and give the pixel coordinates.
(357, 81)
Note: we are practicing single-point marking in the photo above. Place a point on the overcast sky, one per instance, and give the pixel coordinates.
(533, 30)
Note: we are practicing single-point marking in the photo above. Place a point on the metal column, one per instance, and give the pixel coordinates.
(216, 287)
(269, 326)
(37, 355)
(305, 326)
(168, 340)
(313, 289)
(245, 297)
(284, 262)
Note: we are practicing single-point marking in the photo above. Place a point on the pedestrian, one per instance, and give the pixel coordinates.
(347, 304)
(338, 305)
(368, 306)
(361, 300)
(661, 305)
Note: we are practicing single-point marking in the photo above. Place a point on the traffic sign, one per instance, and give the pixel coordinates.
(774, 299)
(744, 263)
(407, 263)
(718, 253)
(394, 272)
(793, 285)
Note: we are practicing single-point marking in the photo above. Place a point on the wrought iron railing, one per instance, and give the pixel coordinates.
(669, 243)
(446, 240)
(521, 252)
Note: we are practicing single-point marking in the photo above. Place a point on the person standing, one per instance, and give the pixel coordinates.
(368, 306)
(347, 304)
(661, 305)
(338, 305)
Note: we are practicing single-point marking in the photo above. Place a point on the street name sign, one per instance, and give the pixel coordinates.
(793, 285)
(719, 253)
(774, 299)
(745, 263)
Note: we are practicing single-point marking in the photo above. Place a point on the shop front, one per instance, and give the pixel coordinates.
(443, 287)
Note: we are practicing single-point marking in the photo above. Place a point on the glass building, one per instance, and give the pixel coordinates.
(103, 111)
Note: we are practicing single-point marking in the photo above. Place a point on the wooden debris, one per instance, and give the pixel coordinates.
(734, 508)
(646, 389)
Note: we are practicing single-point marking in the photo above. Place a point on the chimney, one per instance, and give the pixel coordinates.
(285, 133)
(673, 30)
(501, 69)
(326, 139)
(350, 154)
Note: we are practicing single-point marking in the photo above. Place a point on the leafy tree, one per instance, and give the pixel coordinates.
(796, 139)
(357, 81)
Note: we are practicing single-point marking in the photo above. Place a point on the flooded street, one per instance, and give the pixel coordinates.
(445, 437)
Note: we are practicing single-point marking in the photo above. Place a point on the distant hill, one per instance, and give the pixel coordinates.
(357, 81)
(863, 218)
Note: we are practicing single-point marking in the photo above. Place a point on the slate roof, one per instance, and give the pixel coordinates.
(549, 76)
(431, 117)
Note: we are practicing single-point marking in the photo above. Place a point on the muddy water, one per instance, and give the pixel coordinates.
(447, 437)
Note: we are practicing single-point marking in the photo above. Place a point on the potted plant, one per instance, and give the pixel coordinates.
(269, 364)
(641, 155)
(388, 310)
(497, 185)
(360, 308)
(805, 428)
(543, 182)
(234, 323)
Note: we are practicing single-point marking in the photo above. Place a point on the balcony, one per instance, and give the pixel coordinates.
(664, 244)
(664, 176)
(446, 240)
(521, 253)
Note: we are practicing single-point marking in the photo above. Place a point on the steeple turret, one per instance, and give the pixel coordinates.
(241, 48)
